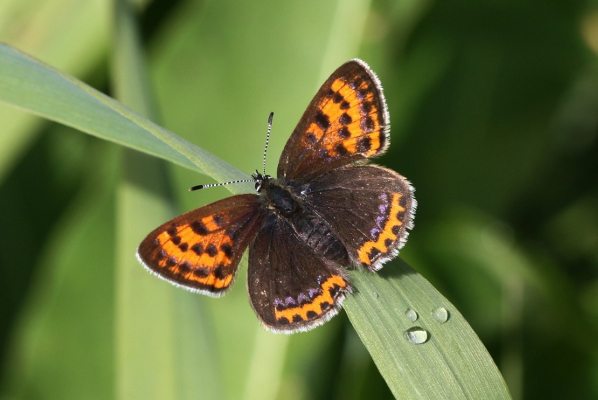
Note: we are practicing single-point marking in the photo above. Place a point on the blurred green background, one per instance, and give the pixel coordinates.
(494, 110)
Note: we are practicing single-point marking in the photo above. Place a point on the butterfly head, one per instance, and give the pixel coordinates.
(260, 180)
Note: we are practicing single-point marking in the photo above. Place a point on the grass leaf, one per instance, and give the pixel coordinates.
(33, 86)
(451, 363)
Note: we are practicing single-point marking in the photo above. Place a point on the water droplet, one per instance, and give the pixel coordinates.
(440, 314)
(417, 335)
(412, 315)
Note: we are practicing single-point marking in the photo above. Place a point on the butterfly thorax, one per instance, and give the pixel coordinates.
(284, 198)
(279, 196)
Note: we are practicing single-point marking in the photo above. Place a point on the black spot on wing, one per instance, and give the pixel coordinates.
(322, 120)
(197, 248)
(364, 144)
(199, 228)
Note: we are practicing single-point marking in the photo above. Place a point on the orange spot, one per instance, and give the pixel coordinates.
(316, 130)
(316, 304)
(209, 223)
(211, 280)
(386, 233)
(337, 85)
(374, 143)
(331, 110)
(348, 94)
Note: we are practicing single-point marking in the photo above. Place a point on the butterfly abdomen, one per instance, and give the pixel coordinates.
(314, 231)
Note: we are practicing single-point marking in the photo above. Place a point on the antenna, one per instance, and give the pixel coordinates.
(268, 138)
(198, 187)
(209, 185)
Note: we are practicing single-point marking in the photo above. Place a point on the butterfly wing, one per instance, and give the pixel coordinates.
(368, 207)
(291, 289)
(200, 250)
(346, 121)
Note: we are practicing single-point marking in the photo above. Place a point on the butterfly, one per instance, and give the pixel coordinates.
(327, 210)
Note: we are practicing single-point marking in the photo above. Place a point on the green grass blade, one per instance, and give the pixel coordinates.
(75, 45)
(451, 364)
(33, 86)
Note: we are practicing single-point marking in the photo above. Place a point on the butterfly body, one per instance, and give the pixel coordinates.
(326, 211)
(287, 200)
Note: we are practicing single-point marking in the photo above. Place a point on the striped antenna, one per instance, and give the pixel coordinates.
(209, 185)
(268, 138)
(197, 187)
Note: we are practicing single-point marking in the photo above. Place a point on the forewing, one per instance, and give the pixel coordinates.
(290, 287)
(200, 250)
(346, 121)
(369, 208)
